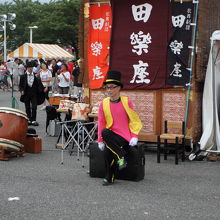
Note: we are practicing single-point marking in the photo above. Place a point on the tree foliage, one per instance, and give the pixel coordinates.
(57, 22)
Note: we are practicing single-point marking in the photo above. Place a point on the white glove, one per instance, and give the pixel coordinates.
(101, 146)
(133, 142)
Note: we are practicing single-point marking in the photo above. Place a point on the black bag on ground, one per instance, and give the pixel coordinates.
(96, 161)
(51, 115)
(135, 169)
(135, 158)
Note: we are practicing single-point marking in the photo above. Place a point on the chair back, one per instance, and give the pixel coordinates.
(175, 127)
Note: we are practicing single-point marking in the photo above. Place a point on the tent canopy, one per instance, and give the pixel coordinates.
(45, 51)
(210, 139)
(215, 36)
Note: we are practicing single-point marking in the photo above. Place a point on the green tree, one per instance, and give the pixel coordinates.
(57, 22)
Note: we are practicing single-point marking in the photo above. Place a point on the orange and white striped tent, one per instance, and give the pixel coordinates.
(45, 51)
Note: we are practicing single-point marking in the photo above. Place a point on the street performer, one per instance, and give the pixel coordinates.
(32, 93)
(118, 126)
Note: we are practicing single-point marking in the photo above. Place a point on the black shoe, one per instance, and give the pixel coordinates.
(34, 123)
(200, 158)
(29, 122)
(105, 182)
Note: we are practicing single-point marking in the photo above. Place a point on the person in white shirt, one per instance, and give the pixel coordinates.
(46, 77)
(21, 68)
(16, 77)
(63, 79)
(9, 66)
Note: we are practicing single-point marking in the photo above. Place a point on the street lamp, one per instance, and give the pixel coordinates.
(31, 36)
(7, 18)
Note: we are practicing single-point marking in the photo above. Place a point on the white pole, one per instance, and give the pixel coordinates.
(5, 53)
(31, 35)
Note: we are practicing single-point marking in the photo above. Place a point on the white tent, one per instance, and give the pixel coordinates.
(210, 139)
(36, 51)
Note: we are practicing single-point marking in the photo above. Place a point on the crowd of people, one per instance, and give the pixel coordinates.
(36, 78)
(14, 69)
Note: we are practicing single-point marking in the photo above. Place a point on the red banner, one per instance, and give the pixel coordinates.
(141, 31)
(98, 43)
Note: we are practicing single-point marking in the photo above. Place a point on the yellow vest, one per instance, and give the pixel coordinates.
(135, 124)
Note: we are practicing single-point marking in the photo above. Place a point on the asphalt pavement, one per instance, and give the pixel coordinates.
(38, 187)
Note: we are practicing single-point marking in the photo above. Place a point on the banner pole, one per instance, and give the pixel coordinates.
(191, 63)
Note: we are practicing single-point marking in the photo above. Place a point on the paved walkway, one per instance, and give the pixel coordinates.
(48, 190)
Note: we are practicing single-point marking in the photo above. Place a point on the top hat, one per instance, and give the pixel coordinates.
(113, 77)
(30, 64)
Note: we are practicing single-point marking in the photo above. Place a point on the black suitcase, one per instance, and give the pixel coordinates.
(135, 169)
(135, 158)
(96, 161)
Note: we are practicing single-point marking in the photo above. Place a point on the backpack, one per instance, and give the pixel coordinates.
(51, 115)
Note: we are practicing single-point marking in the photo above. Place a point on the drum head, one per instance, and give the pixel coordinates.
(11, 145)
(14, 111)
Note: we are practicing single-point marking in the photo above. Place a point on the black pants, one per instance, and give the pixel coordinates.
(116, 148)
(31, 107)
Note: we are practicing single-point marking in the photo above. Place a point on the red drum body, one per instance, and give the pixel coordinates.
(13, 124)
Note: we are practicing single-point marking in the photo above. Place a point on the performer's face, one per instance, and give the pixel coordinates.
(113, 91)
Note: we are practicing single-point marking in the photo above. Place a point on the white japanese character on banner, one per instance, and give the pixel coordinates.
(188, 19)
(141, 12)
(140, 42)
(97, 74)
(176, 71)
(178, 21)
(189, 10)
(98, 23)
(176, 46)
(140, 73)
(96, 48)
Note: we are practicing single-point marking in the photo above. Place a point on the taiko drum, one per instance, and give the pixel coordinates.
(13, 124)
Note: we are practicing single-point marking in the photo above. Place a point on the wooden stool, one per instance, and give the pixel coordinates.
(177, 140)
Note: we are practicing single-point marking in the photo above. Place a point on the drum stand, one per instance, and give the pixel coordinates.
(79, 135)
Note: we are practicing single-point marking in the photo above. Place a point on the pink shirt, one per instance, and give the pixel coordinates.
(120, 121)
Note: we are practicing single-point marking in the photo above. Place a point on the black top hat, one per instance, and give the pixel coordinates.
(113, 77)
(30, 64)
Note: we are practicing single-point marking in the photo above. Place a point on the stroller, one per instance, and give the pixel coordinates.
(3, 79)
